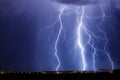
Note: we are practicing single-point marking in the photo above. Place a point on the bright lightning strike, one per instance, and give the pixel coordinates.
(57, 40)
(91, 41)
(59, 19)
(82, 29)
(80, 25)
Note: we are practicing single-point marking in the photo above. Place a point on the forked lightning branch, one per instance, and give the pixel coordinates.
(80, 15)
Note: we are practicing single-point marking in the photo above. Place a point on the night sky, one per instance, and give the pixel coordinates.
(27, 43)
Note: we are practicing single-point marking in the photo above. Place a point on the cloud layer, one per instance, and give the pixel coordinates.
(78, 2)
(88, 2)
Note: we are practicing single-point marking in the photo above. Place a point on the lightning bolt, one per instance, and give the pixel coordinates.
(81, 28)
(59, 19)
(91, 41)
(105, 37)
(57, 40)
(79, 40)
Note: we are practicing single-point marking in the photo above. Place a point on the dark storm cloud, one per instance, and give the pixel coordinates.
(88, 2)
(78, 2)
